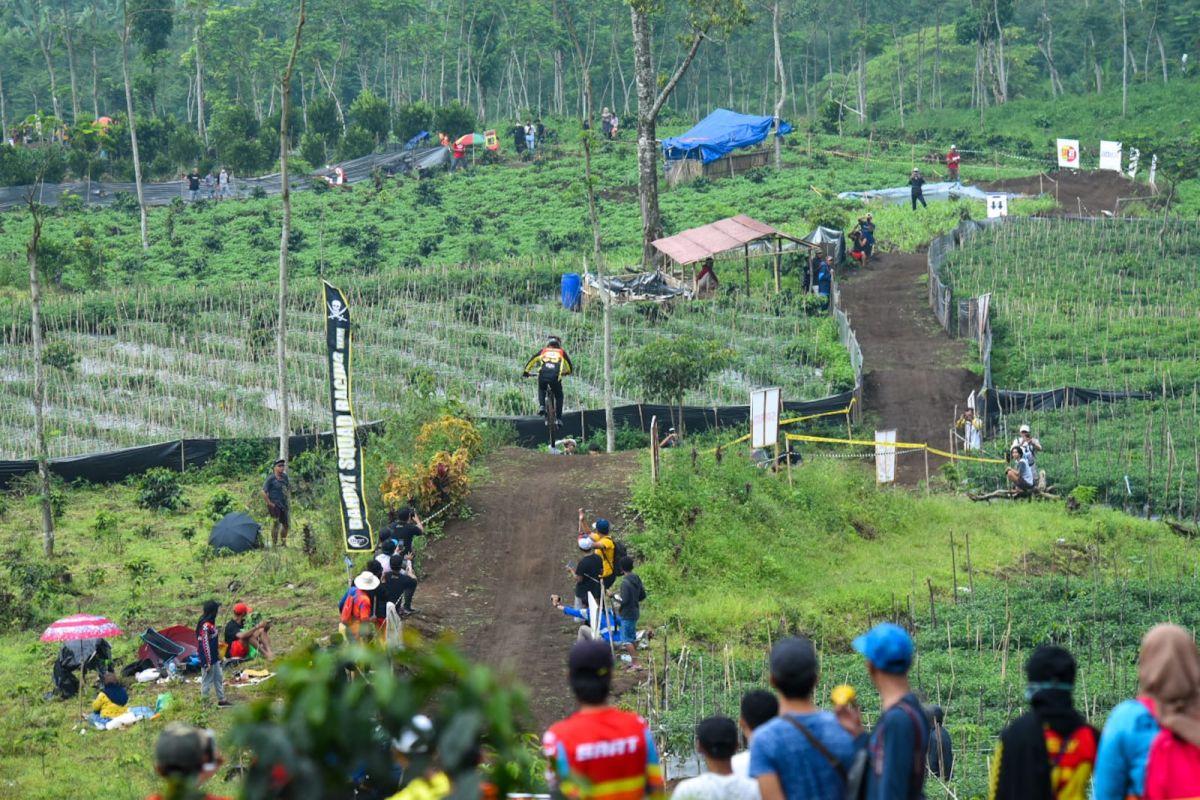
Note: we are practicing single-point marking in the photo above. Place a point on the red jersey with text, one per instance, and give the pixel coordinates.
(603, 754)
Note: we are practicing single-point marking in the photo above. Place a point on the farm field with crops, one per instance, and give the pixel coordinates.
(1099, 305)
(160, 364)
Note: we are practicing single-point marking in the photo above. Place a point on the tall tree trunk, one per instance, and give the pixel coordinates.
(201, 122)
(1162, 55)
(648, 107)
(95, 85)
(39, 380)
(3, 113)
(862, 84)
(44, 42)
(1124, 61)
(133, 142)
(68, 39)
(781, 77)
(285, 105)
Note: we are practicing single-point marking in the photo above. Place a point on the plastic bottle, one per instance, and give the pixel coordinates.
(171, 668)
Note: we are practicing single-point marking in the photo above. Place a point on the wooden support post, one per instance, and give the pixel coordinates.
(925, 450)
(778, 263)
(789, 462)
(746, 260)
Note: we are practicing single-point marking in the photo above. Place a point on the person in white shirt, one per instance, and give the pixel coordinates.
(716, 741)
(1030, 446)
(758, 707)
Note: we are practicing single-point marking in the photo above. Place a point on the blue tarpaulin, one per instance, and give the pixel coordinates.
(719, 134)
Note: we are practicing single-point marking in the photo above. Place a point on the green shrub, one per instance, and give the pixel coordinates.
(159, 490)
(239, 457)
(219, 504)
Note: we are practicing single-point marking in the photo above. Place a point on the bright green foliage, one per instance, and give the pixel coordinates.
(357, 143)
(667, 369)
(235, 135)
(371, 114)
(160, 490)
(413, 118)
(321, 721)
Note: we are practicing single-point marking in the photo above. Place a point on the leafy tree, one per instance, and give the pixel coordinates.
(312, 149)
(323, 119)
(356, 143)
(371, 114)
(152, 22)
(320, 724)
(234, 133)
(412, 119)
(667, 369)
(455, 119)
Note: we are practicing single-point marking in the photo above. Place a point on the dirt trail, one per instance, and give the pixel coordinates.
(490, 577)
(914, 371)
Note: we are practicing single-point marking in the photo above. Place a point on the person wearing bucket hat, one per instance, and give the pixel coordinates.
(896, 747)
(358, 607)
(609, 751)
(1048, 753)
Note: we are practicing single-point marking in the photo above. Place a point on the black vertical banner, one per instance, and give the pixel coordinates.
(338, 338)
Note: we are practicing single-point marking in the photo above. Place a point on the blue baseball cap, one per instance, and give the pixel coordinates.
(601, 526)
(888, 647)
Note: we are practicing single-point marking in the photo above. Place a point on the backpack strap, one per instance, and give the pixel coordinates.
(837, 765)
(918, 770)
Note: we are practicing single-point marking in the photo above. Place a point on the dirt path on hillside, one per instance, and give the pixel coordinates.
(489, 578)
(914, 371)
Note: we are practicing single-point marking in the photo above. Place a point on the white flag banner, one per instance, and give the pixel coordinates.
(1068, 153)
(1110, 155)
(885, 457)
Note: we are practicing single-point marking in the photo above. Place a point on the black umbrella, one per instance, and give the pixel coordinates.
(236, 532)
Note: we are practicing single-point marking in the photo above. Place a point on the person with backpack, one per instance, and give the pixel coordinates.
(1131, 727)
(804, 753)
(894, 751)
(1169, 674)
(1049, 752)
(357, 607)
(603, 546)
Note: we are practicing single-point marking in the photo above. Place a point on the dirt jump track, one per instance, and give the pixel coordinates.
(915, 373)
(489, 578)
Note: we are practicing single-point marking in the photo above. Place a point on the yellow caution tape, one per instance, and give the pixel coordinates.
(840, 411)
(803, 437)
(944, 454)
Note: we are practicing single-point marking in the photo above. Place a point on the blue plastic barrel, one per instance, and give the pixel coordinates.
(572, 291)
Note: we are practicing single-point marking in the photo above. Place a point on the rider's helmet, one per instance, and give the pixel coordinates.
(554, 341)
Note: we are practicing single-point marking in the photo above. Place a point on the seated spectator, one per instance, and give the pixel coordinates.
(185, 757)
(1020, 473)
(564, 447)
(758, 707)
(241, 641)
(706, 279)
(716, 741)
(670, 440)
(594, 449)
(399, 585)
(1050, 751)
(111, 702)
(610, 625)
(941, 749)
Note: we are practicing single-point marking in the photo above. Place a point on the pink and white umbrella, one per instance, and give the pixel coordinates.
(81, 626)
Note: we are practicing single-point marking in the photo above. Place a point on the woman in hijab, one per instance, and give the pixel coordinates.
(112, 702)
(1047, 753)
(211, 677)
(1169, 675)
(1131, 727)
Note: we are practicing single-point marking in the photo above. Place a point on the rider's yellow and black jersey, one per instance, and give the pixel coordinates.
(551, 364)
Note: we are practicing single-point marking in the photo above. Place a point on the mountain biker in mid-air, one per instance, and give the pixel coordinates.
(551, 363)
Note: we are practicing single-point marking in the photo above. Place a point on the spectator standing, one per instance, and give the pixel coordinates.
(1171, 677)
(588, 574)
(867, 226)
(1030, 446)
(896, 747)
(209, 180)
(972, 430)
(223, 184)
(211, 678)
(825, 279)
(1049, 752)
(357, 607)
(916, 184)
(409, 528)
(399, 585)
(1167, 659)
(952, 159)
(185, 757)
(458, 153)
(193, 185)
(387, 549)
(530, 137)
(277, 492)
(716, 741)
(758, 708)
(804, 753)
(518, 134)
(614, 129)
(600, 752)
(941, 749)
(606, 123)
(539, 131)
(604, 546)
(629, 599)
(239, 640)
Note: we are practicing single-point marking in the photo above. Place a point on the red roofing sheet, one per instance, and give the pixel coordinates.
(698, 244)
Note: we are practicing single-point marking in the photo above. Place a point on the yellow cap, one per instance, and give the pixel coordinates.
(843, 695)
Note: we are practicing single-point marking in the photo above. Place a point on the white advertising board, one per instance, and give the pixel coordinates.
(1110, 155)
(1068, 153)
(764, 417)
(997, 205)
(885, 457)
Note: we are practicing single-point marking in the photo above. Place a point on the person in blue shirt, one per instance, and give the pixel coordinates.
(1020, 474)
(610, 625)
(825, 279)
(804, 753)
(896, 747)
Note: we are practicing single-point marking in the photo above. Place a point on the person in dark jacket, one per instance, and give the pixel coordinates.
(1049, 752)
(941, 750)
(825, 279)
(630, 596)
(211, 677)
(916, 182)
(552, 364)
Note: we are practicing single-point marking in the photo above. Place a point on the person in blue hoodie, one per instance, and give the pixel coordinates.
(1131, 727)
(610, 626)
(112, 702)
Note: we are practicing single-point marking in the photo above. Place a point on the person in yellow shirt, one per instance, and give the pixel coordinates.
(112, 702)
(433, 783)
(604, 546)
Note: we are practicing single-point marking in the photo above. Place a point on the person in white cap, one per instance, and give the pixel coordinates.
(588, 573)
(1028, 445)
(952, 159)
